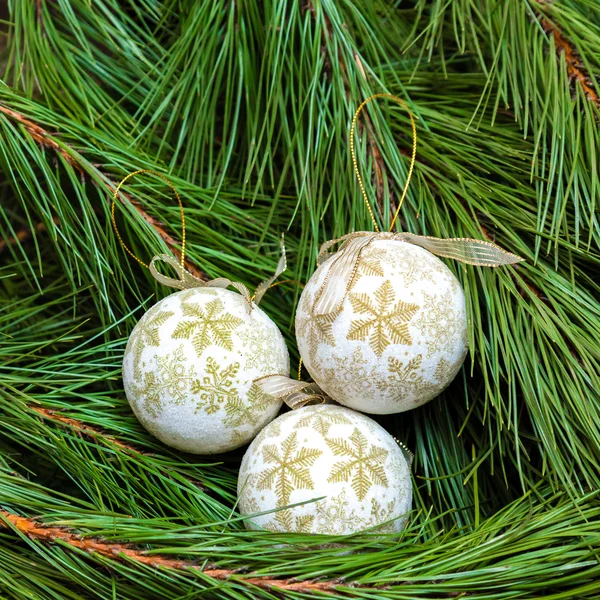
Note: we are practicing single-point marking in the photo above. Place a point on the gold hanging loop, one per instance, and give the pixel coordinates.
(412, 158)
(114, 221)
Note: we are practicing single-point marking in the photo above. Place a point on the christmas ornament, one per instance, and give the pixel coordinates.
(382, 324)
(192, 363)
(190, 366)
(348, 471)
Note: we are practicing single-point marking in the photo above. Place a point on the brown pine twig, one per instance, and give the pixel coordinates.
(575, 68)
(24, 234)
(97, 434)
(44, 138)
(81, 427)
(123, 552)
(40, 135)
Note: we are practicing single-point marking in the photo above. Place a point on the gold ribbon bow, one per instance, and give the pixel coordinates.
(346, 261)
(185, 280)
(295, 394)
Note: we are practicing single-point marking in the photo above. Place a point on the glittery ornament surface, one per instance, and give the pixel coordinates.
(189, 368)
(399, 337)
(327, 452)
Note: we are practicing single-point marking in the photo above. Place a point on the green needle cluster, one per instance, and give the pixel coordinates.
(245, 106)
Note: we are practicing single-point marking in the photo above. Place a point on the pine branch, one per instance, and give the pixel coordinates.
(378, 162)
(98, 435)
(230, 97)
(40, 135)
(167, 238)
(87, 430)
(575, 67)
(25, 234)
(45, 139)
(121, 552)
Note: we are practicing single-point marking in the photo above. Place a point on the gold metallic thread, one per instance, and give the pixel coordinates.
(114, 221)
(412, 158)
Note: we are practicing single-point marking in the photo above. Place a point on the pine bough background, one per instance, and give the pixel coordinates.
(246, 107)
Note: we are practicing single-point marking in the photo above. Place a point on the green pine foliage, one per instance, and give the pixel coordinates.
(246, 107)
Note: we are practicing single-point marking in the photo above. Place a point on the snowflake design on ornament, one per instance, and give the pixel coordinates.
(290, 470)
(386, 323)
(318, 330)
(334, 518)
(440, 321)
(170, 382)
(261, 349)
(216, 387)
(418, 268)
(370, 263)
(322, 421)
(409, 381)
(147, 333)
(241, 412)
(379, 514)
(362, 465)
(352, 376)
(299, 523)
(207, 325)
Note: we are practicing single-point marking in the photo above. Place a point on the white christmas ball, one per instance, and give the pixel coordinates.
(398, 339)
(189, 369)
(327, 452)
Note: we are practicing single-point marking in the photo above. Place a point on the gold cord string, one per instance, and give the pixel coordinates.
(412, 159)
(114, 221)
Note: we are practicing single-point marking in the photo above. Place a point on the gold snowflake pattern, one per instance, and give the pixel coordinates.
(446, 371)
(386, 323)
(379, 514)
(441, 322)
(147, 334)
(317, 330)
(418, 268)
(352, 376)
(207, 325)
(408, 380)
(361, 464)
(170, 380)
(406, 373)
(288, 522)
(323, 420)
(290, 470)
(251, 506)
(412, 264)
(240, 412)
(217, 387)
(370, 262)
(444, 367)
(333, 516)
(260, 349)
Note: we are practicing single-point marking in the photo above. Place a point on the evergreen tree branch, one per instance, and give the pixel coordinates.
(25, 234)
(575, 68)
(246, 107)
(52, 534)
(40, 135)
(159, 227)
(46, 140)
(83, 428)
